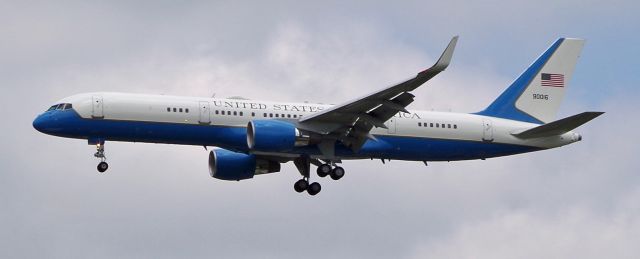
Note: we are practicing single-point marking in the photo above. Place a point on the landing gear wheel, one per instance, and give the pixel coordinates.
(103, 166)
(324, 170)
(337, 173)
(314, 188)
(301, 185)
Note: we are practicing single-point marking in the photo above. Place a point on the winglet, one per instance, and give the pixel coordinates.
(445, 58)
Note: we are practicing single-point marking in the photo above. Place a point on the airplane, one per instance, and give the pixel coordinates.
(253, 137)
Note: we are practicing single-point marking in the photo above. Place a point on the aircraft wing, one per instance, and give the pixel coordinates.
(352, 121)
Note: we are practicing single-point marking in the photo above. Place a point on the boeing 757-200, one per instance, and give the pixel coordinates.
(255, 137)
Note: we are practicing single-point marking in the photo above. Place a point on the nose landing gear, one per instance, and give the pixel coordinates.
(102, 166)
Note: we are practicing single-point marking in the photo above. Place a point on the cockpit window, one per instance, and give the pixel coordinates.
(60, 106)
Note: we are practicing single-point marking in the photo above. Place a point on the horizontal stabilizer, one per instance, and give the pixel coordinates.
(558, 127)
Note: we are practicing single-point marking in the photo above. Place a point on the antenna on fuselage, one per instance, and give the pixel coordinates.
(213, 95)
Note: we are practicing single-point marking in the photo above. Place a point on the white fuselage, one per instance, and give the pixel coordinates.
(236, 113)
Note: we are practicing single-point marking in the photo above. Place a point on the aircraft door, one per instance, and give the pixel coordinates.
(98, 107)
(204, 113)
(487, 130)
(391, 125)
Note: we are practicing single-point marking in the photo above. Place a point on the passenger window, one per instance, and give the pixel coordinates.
(240, 113)
(437, 125)
(265, 114)
(277, 115)
(180, 109)
(455, 126)
(271, 115)
(168, 109)
(253, 114)
(175, 110)
(288, 115)
(431, 124)
(419, 124)
(448, 125)
(186, 110)
(235, 113)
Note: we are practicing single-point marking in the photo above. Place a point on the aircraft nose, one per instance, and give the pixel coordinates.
(40, 123)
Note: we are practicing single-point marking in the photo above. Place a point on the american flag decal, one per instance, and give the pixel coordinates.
(553, 80)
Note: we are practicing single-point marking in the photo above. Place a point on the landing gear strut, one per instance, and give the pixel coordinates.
(102, 166)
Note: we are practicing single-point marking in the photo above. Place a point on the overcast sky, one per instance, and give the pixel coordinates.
(158, 201)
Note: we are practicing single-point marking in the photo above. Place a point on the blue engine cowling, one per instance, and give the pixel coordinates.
(274, 136)
(229, 165)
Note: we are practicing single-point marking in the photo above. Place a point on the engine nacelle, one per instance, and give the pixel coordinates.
(228, 165)
(274, 136)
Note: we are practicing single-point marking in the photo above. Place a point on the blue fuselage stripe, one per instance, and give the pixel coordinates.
(69, 124)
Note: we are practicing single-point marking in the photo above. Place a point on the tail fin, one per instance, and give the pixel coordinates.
(536, 94)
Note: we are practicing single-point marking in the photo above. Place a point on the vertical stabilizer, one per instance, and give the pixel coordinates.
(537, 93)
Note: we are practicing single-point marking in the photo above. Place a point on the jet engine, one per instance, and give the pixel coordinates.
(275, 136)
(229, 165)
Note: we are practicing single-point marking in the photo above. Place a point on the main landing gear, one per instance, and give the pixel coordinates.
(303, 163)
(304, 185)
(325, 169)
(102, 166)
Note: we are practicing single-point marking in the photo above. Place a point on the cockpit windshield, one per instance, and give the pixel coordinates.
(60, 106)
